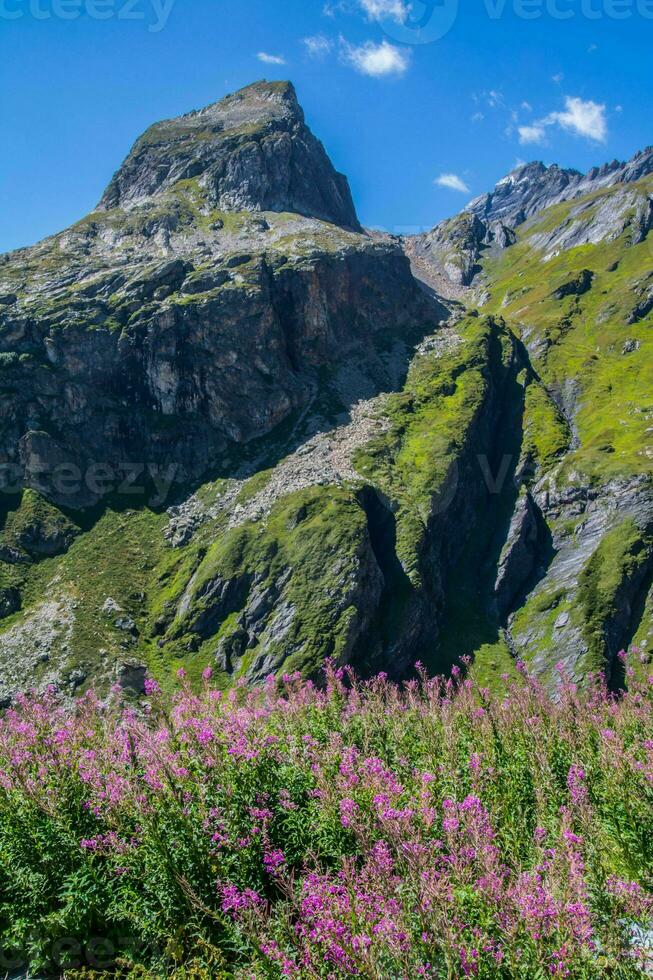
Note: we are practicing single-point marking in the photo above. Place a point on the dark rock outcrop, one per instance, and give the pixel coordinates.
(519, 555)
(578, 286)
(9, 602)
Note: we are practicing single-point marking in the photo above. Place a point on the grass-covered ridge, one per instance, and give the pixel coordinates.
(352, 830)
(431, 425)
(590, 348)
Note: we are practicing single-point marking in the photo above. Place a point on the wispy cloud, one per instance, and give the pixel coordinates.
(270, 59)
(580, 117)
(532, 134)
(318, 46)
(376, 60)
(380, 10)
(557, 78)
(583, 118)
(494, 99)
(452, 182)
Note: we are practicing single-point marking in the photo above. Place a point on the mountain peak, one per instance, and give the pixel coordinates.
(531, 187)
(260, 102)
(251, 150)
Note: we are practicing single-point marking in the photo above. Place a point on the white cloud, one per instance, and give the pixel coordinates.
(527, 107)
(478, 117)
(532, 134)
(376, 60)
(452, 182)
(583, 118)
(580, 117)
(270, 59)
(557, 78)
(318, 46)
(395, 10)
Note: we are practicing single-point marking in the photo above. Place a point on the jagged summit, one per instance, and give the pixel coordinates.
(531, 187)
(448, 255)
(250, 151)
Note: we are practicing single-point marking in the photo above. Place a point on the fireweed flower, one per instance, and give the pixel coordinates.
(390, 829)
(348, 811)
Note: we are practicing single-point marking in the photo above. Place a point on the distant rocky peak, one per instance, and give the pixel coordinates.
(532, 187)
(251, 151)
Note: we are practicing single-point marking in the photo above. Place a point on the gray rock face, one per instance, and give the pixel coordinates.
(250, 151)
(519, 555)
(593, 511)
(643, 308)
(603, 219)
(170, 327)
(453, 248)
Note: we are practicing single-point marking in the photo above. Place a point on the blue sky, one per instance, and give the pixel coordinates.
(403, 93)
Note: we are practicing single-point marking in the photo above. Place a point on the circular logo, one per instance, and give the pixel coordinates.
(426, 21)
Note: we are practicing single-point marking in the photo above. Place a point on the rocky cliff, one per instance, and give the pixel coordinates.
(238, 431)
(252, 151)
(190, 313)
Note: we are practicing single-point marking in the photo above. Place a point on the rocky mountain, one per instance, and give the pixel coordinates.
(250, 151)
(532, 187)
(223, 267)
(452, 251)
(239, 430)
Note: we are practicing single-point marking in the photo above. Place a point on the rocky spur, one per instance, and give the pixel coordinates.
(153, 13)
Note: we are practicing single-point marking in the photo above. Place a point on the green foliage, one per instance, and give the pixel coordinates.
(621, 556)
(546, 434)
(311, 542)
(36, 526)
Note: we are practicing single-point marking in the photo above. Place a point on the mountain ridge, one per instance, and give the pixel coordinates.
(363, 470)
(555, 185)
